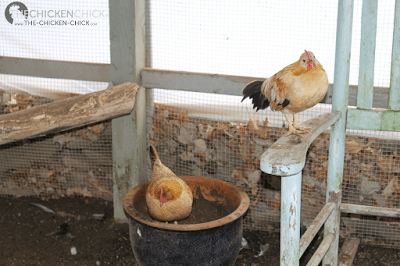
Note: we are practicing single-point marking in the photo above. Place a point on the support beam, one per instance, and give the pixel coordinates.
(197, 82)
(374, 119)
(321, 251)
(69, 113)
(369, 210)
(315, 226)
(232, 85)
(367, 53)
(54, 69)
(394, 92)
(338, 130)
(290, 219)
(348, 252)
(127, 42)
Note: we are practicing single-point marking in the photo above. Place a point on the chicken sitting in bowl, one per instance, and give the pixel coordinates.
(168, 197)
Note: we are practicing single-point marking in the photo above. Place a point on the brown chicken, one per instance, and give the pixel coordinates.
(168, 197)
(294, 89)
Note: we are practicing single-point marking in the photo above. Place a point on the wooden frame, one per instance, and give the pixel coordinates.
(129, 135)
(287, 159)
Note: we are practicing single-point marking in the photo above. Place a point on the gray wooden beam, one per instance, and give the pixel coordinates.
(156, 78)
(370, 210)
(54, 69)
(127, 39)
(232, 85)
(192, 81)
(313, 229)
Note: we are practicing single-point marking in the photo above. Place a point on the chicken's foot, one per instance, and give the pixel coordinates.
(295, 128)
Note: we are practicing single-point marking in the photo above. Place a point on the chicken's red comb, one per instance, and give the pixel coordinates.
(162, 200)
(308, 55)
(309, 65)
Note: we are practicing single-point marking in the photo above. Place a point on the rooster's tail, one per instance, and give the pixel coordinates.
(253, 91)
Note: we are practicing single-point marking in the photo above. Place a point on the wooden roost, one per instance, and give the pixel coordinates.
(69, 113)
(286, 157)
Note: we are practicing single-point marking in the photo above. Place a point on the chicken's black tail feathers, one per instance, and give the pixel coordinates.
(253, 91)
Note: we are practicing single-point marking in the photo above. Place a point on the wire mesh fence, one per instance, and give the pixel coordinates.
(77, 162)
(196, 133)
(226, 139)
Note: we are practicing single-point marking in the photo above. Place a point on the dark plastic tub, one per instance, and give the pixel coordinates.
(216, 242)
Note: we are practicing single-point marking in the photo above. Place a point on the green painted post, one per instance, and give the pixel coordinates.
(367, 54)
(338, 130)
(127, 44)
(394, 92)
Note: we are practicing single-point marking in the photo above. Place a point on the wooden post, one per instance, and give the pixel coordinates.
(127, 41)
(286, 158)
(338, 130)
(290, 219)
(367, 54)
(394, 92)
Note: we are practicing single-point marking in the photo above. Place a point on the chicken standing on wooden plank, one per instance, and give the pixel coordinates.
(294, 89)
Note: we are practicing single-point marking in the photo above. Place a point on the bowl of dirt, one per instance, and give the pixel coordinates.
(211, 235)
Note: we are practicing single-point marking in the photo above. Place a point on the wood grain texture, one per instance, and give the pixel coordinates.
(348, 252)
(55, 69)
(68, 114)
(287, 155)
(367, 54)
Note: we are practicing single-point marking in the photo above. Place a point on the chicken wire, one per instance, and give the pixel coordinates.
(73, 163)
(217, 136)
(198, 133)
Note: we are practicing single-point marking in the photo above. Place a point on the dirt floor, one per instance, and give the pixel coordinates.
(32, 236)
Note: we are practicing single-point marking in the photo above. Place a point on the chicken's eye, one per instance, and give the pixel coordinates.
(304, 60)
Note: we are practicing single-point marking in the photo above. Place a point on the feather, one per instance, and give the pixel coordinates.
(293, 89)
(253, 91)
(42, 207)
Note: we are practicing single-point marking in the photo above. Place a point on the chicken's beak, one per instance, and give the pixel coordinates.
(311, 64)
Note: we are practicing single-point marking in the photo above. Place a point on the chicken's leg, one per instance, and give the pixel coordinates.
(294, 128)
(297, 126)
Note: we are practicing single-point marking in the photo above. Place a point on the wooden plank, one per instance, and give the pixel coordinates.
(287, 155)
(348, 251)
(367, 53)
(313, 229)
(381, 120)
(129, 137)
(394, 93)
(290, 219)
(54, 69)
(197, 82)
(232, 85)
(155, 78)
(369, 210)
(68, 113)
(322, 250)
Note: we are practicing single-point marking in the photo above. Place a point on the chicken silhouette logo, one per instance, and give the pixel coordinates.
(16, 13)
